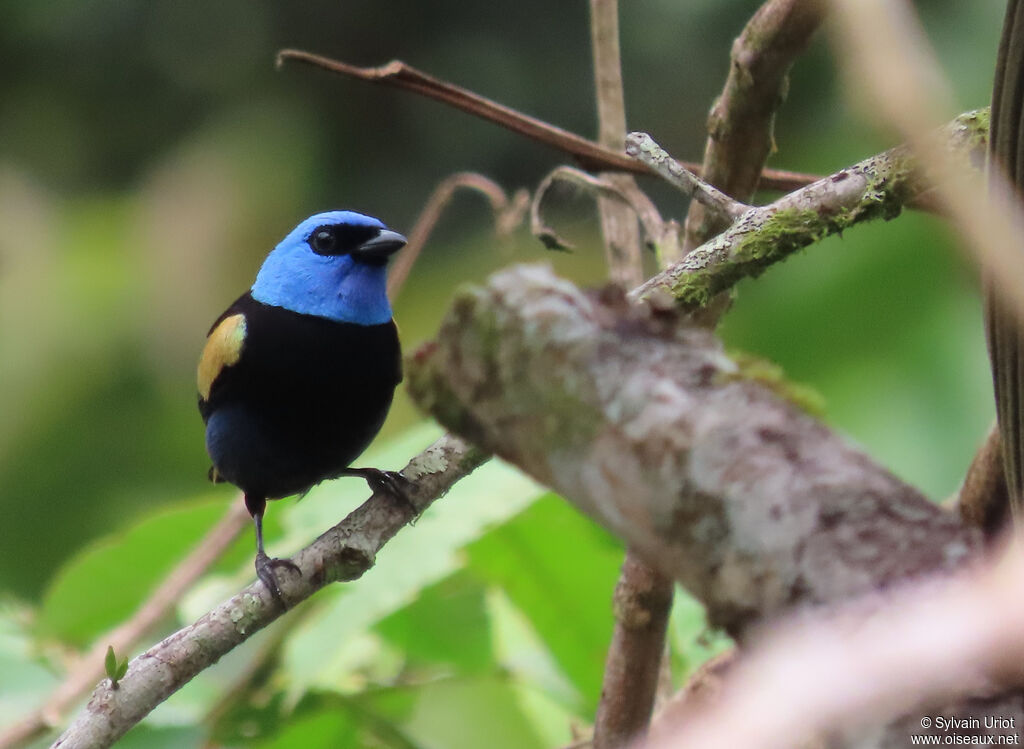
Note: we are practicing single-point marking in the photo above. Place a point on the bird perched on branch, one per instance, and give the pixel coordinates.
(298, 374)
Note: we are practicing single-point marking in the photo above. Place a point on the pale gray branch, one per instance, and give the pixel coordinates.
(343, 553)
(877, 187)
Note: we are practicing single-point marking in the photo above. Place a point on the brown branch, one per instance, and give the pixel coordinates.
(643, 600)
(618, 223)
(635, 200)
(588, 154)
(89, 668)
(643, 596)
(508, 214)
(741, 120)
(983, 500)
(343, 553)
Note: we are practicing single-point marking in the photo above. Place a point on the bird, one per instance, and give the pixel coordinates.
(297, 376)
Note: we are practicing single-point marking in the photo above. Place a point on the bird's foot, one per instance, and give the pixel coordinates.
(265, 572)
(391, 483)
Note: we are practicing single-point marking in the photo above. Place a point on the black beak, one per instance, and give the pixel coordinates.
(378, 249)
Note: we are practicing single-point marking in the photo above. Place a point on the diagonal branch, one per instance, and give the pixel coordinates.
(343, 553)
(588, 154)
(877, 187)
(647, 426)
(741, 121)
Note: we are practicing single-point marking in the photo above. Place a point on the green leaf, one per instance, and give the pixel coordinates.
(122, 669)
(27, 680)
(110, 663)
(104, 583)
(560, 570)
(320, 651)
(447, 624)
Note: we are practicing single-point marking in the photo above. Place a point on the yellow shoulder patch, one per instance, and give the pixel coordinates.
(223, 348)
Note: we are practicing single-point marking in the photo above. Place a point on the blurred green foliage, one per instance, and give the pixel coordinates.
(150, 155)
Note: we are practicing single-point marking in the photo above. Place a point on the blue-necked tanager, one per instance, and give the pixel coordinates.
(298, 374)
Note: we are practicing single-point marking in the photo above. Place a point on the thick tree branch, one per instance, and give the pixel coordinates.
(877, 187)
(741, 121)
(343, 553)
(646, 426)
(650, 429)
(590, 155)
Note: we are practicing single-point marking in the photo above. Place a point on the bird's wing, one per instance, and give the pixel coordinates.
(223, 348)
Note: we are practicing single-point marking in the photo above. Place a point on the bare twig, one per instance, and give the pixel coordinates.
(643, 600)
(643, 595)
(740, 124)
(877, 187)
(508, 214)
(588, 154)
(643, 147)
(89, 668)
(636, 200)
(618, 223)
(344, 552)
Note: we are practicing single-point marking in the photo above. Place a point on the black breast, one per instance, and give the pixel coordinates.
(304, 400)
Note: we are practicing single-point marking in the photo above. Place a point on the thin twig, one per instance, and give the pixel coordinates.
(89, 668)
(343, 553)
(643, 595)
(589, 155)
(508, 214)
(636, 200)
(619, 228)
(643, 147)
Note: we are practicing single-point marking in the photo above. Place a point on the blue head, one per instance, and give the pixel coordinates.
(331, 265)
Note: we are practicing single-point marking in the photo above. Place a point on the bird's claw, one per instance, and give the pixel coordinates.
(391, 483)
(265, 572)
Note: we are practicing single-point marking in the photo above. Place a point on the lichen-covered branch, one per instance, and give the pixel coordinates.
(650, 429)
(877, 187)
(740, 124)
(343, 553)
(643, 147)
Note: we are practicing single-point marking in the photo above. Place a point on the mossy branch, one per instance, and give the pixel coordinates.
(878, 187)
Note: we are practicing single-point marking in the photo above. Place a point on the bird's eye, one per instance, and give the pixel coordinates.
(323, 242)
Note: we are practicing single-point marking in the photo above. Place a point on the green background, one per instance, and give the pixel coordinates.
(150, 156)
